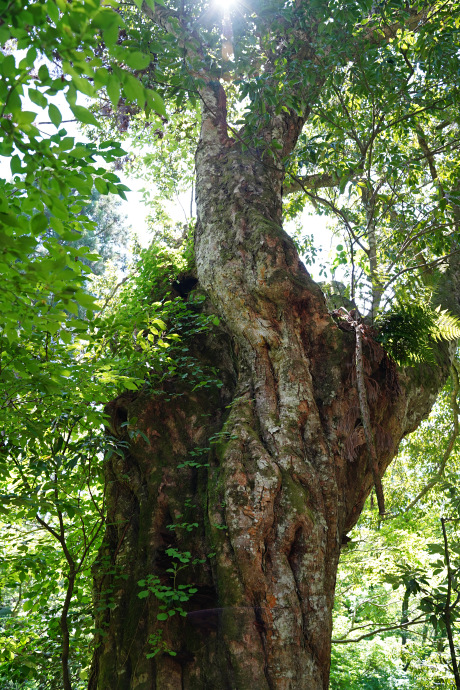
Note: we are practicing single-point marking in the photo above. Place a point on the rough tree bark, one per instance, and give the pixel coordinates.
(289, 470)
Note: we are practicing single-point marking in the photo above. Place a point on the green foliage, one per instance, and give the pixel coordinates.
(368, 143)
(51, 459)
(44, 268)
(172, 595)
(63, 354)
(410, 332)
(375, 666)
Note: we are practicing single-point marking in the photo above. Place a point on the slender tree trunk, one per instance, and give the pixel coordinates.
(64, 625)
(448, 608)
(288, 464)
(404, 615)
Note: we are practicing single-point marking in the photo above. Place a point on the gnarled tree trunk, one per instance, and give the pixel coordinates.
(288, 466)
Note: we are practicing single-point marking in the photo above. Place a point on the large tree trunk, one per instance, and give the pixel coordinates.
(289, 470)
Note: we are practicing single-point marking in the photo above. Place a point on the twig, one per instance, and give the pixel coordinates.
(397, 626)
(117, 287)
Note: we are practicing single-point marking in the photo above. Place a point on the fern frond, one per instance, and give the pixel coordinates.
(409, 333)
(447, 326)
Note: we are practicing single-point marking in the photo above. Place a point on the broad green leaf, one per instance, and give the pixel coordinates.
(130, 385)
(15, 165)
(133, 89)
(38, 98)
(85, 300)
(43, 73)
(84, 115)
(101, 185)
(113, 90)
(9, 220)
(55, 115)
(53, 11)
(39, 223)
(155, 102)
(110, 34)
(25, 117)
(84, 86)
(8, 66)
(137, 61)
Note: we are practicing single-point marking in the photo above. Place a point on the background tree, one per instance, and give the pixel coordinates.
(110, 234)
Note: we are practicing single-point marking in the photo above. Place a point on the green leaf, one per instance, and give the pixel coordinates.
(110, 34)
(85, 300)
(15, 165)
(137, 61)
(155, 102)
(53, 11)
(105, 18)
(39, 223)
(101, 185)
(113, 90)
(144, 594)
(55, 115)
(31, 56)
(43, 73)
(101, 77)
(130, 385)
(80, 151)
(10, 220)
(84, 86)
(25, 117)
(38, 98)
(133, 89)
(84, 115)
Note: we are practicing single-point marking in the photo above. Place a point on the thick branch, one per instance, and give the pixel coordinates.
(427, 152)
(311, 182)
(170, 21)
(378, 35)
